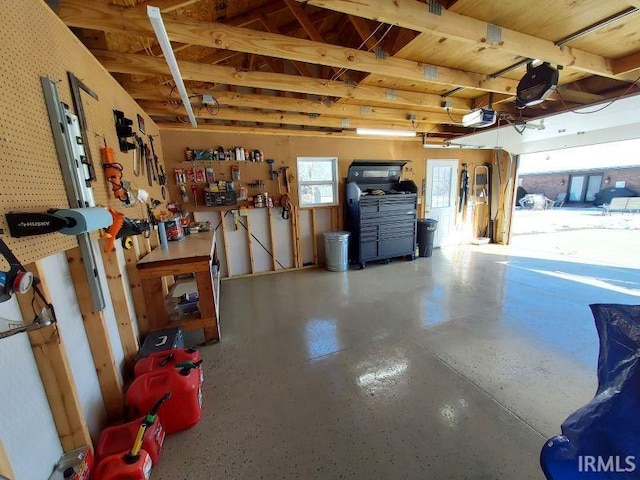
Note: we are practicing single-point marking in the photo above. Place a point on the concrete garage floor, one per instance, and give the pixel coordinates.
(453, 367)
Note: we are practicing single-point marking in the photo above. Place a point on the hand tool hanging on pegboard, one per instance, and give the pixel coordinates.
(148, 164)
(141, 156)
(162, 177)
(113, 173)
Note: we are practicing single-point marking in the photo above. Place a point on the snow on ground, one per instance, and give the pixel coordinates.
(562, 219)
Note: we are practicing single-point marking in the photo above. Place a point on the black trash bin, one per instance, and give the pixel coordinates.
(426, 233)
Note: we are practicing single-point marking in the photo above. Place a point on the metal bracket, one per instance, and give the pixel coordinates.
(365, 111)
(434, 7)
(430, 72)
(380, 53)
(391, 94)
(344, 122)
(494, 33)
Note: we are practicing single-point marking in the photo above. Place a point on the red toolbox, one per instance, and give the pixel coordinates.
(166, 359)
(183, 409)
(119, 438)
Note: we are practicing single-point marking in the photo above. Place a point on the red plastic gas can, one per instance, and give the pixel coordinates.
(117, 467)
(165, 359)
(183, 409)
(118, 439)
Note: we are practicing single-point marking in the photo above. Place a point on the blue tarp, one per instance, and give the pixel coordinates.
(602, 439)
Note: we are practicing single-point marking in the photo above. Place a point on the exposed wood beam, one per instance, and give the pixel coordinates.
(269, 131)
(307, 24)
(270, 102)
(50, 354)
(145, 65)
(415, 15)
(98, 16)
(165, 6)
(364, 31)
(300, 119)
(304, 20)
(273, 28)
(626, 64)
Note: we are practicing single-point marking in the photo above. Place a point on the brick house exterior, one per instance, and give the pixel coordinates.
(552, 184)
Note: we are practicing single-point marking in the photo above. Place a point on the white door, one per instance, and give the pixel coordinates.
(440, 198)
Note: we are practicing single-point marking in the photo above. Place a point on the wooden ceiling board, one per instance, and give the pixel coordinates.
(617, 40)
(548, 19)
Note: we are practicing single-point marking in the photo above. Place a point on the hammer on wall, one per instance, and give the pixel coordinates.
(270, 161)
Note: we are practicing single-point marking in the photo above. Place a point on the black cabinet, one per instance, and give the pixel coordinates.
(382, 225)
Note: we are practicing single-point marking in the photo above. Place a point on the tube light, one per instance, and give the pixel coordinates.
(385, 133)
(163, 39)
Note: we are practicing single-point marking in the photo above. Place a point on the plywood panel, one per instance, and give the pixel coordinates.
(33, 43)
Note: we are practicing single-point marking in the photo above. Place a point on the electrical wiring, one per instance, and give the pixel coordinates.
(177, 103)
(599, 109)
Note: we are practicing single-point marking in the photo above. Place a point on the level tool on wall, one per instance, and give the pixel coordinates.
(70, 149)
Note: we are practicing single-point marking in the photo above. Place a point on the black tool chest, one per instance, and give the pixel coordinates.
(381, 212)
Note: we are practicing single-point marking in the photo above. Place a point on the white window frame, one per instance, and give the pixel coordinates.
(333, 182)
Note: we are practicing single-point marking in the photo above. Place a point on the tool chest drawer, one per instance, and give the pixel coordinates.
(386, 204)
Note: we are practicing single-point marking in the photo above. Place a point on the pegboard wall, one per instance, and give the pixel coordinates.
(33, 43)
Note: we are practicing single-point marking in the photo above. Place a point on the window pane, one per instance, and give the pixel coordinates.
(316, 194)
(315, 171)
(441, 187)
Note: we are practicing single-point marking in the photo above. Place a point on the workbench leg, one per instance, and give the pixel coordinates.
(207, 303)
(155, 302)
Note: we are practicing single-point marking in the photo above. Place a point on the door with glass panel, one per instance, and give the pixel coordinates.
(440, 198)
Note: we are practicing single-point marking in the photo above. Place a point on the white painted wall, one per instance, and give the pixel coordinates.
(26, 425)
(63, 297)
(109, 314)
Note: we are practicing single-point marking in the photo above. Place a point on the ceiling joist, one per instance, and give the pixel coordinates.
(417, 16)
(288, 104)
(99, 16)
(305, 120)
(150, 66)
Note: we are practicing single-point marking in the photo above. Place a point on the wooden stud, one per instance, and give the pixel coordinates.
(274, 257)
(208, 313)
(121, 307)
(98, 337)
(314, 236)
(250, 243)
(157, 311)
(131, 257)
(5, 465)
(55, 372)
(294, 240)
(227, 257)
(296, 214)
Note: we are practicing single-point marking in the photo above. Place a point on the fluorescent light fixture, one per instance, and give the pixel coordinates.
(385, 133)
(163, 39)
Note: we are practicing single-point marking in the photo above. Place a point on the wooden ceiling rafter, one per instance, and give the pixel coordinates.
(159, 109)
(416, 16)
(150, 93)
(165, 6)
(238, 39)
(150, 66)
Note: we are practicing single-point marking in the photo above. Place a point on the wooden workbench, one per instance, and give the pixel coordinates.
(194, 254)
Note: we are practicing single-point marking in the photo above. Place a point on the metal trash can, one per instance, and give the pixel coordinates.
(426, 233)
(336, 251)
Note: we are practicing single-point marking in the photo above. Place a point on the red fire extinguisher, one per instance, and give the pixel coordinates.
(137, 463)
